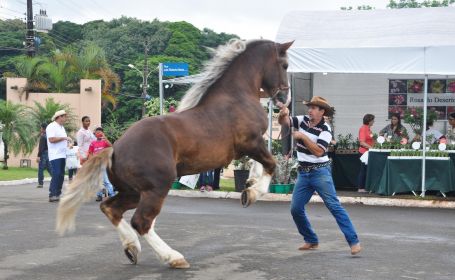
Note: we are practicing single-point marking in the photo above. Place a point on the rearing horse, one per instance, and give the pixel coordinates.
(219, 119)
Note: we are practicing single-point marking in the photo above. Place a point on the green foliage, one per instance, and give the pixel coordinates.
(401, 4)
(113, 129)
(283, 170)
(418, 153)
(18, 129)
(153, 106)
(414, 117)
(242, 163)
(42, 113)
(121, 42)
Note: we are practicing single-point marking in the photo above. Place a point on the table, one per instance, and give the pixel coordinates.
(345, 170)
(389, 175)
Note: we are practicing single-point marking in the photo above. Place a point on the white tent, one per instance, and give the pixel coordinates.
(403, 41)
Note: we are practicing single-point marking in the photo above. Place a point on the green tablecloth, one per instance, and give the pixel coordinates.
(404, 175)
(376, 164)
(345, 170)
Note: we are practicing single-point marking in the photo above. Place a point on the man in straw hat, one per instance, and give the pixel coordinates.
(312, 136)
(57, 143)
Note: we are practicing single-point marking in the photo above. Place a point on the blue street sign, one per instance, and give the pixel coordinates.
(175, 69)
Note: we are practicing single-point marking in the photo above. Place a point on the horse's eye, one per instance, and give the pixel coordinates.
(285, 66)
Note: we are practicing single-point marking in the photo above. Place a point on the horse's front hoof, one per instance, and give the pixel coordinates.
(248, 197)
(179, 264)
(131, 253)
(250, 182)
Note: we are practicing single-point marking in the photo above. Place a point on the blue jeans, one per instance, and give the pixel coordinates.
(58, 175)
(206, 178)
(319, 180)
(107, 184)
(42, 165)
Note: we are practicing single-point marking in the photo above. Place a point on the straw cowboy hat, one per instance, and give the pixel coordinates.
(58, 114)
(322, 103)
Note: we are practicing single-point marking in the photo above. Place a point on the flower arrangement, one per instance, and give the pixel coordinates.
(398, 99)
(414, 117)
(415, 86)
(451, 86)
(437, 86)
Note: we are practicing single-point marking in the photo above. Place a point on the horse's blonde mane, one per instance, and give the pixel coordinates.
(213, 70)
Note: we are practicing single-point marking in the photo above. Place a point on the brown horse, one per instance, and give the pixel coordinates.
(219, 119)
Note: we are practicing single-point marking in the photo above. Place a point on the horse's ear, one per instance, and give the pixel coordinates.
(284, 47)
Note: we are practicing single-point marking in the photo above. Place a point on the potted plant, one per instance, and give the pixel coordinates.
(241, 173)
(284, 172)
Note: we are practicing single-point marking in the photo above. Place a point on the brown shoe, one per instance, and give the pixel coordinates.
(355, 249)
(308, 246)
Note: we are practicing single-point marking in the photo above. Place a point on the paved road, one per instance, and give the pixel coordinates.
(221, 240)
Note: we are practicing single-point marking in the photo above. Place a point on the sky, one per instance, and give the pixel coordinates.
(250, 19)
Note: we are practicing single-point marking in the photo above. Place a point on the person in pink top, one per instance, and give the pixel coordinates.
(366, 142)
(95, 147)
(84, 138)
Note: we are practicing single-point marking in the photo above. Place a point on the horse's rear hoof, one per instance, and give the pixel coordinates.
(179, 264)
(131, 253)
(248, 196)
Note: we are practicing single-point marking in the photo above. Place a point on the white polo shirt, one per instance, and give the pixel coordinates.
(321, 134)
(56, 150)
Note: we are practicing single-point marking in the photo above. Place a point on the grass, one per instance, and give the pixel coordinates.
(227, 185)
(17, 173)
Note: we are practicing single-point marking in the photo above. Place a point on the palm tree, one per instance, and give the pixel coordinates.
(42, 113)
(17, 131)
(58, 74)
(28, 67)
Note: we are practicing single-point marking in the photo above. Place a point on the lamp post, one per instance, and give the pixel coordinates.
(145, 74)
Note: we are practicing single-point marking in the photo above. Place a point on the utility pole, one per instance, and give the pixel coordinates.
(30, 37)
(144, 76)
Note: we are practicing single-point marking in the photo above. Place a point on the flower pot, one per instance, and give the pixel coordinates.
(240, 177)
(281, 188)
(176, 185)
(272, 188)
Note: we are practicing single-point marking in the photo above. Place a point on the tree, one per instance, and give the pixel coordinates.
(17, 131)
(43, 113)
(415, 4)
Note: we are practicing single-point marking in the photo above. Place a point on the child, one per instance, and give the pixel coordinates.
(72, 160)
(95, 147)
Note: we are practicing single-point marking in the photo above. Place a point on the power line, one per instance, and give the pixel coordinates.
(14, 11)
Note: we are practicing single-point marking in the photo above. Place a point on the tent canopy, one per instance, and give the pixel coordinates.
(401, 41)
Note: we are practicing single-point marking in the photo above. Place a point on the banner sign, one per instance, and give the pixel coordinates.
(175, 69)
(404, 94)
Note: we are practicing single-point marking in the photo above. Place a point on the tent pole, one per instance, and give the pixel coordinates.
(270, 125)
(424, 133)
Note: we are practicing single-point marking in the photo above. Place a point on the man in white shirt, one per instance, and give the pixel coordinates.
(57, 142)
(84, 137)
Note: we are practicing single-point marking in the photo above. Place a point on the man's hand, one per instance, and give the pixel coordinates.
(283, 117)
(37, 159)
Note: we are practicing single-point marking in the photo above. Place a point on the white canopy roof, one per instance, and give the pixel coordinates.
(394, 41)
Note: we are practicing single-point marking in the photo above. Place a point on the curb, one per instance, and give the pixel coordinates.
(370, 201)
(25, 181)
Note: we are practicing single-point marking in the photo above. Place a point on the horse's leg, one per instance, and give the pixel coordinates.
(144, 222)
(259, 185)
(114, 208)
(256, 170)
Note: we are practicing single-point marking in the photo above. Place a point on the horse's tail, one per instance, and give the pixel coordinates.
(84, 187)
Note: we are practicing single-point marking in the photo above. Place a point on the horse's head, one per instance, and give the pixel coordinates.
(275, 80)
